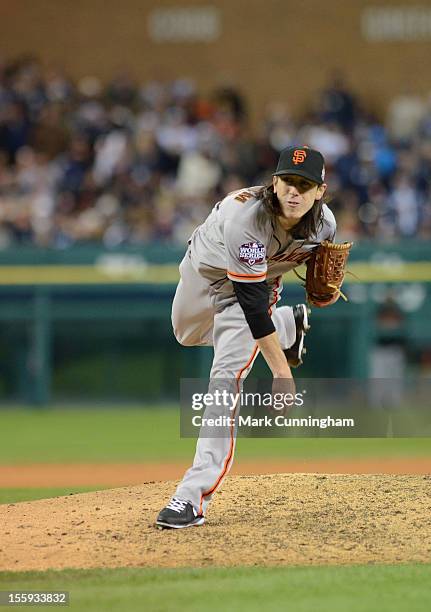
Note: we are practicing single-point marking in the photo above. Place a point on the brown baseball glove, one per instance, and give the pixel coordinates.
(326, 268)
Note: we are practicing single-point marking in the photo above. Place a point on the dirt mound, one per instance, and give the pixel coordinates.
(279, 519)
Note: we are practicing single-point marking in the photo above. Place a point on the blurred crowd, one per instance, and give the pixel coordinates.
(131, 163)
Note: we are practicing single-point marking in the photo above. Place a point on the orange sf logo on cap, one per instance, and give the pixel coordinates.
(299, 156)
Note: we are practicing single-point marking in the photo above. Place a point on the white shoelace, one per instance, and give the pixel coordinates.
(177, 505)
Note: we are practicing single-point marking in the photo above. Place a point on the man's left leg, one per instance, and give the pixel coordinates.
(234, 353)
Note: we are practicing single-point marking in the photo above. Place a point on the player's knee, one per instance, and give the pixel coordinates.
(183, 338)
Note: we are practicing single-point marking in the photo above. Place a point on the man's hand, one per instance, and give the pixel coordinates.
(283, 385)
(283, 396)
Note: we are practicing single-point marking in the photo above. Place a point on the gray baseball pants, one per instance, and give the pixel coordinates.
(196, 323)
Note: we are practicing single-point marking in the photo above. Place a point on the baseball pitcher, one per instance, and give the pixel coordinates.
(231, 281)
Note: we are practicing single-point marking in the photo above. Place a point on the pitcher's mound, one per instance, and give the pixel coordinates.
(280, 519)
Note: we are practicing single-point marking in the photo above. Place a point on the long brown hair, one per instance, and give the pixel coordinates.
(307, 226)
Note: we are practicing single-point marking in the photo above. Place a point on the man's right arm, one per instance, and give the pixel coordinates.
(274, 356)
(253, 299)
(246, 268)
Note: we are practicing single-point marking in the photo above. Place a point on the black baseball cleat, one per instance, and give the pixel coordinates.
(295, 353)
(179, 514)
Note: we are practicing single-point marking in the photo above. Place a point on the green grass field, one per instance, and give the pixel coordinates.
(84, 435)
(120, 435)
(14, 495)
(297, 589)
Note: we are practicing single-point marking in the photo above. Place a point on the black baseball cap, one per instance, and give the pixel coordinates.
(302, 161)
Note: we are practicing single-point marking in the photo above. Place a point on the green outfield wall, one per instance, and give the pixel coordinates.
(91, 324)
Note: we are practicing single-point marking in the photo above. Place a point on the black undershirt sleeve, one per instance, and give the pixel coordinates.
(253, 299)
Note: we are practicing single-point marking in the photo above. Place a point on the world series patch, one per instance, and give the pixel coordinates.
(252, 253)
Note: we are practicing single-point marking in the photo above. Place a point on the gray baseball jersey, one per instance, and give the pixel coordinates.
(235, 243)
(238, 243)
